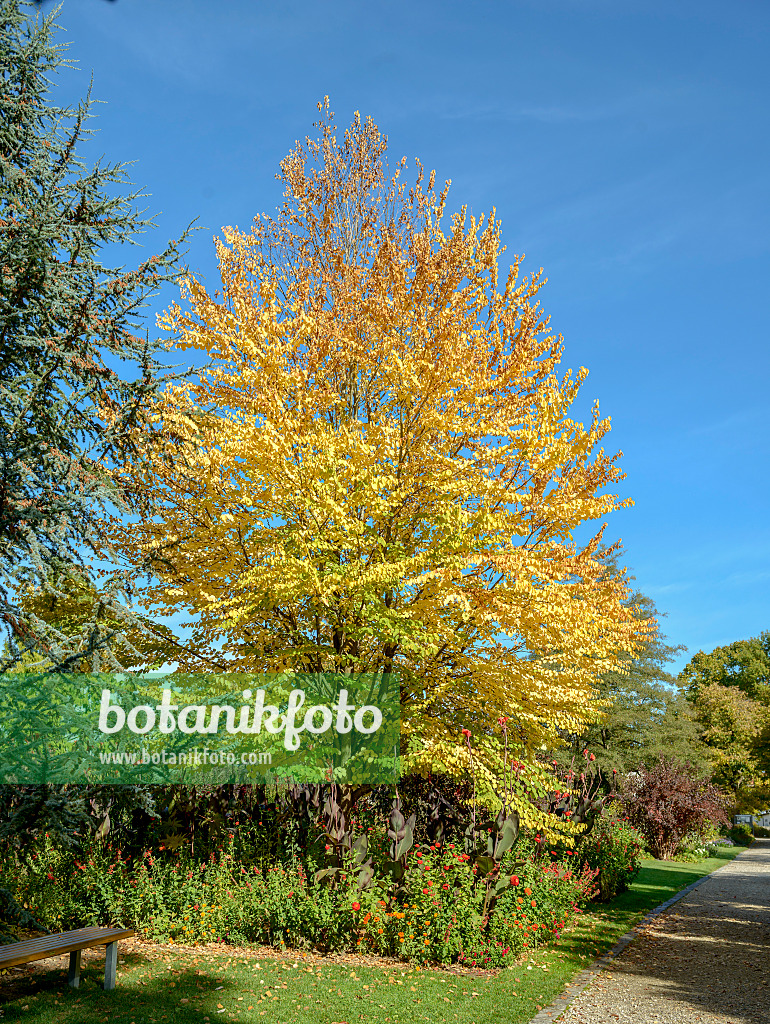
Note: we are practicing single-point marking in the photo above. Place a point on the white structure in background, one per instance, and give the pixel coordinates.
(762, 819)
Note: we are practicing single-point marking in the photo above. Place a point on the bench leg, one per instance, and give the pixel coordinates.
(74, 971)
(110, 966)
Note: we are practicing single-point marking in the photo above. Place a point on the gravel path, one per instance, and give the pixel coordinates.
(706, 961)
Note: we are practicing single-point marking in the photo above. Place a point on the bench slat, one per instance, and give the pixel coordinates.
(54, 945)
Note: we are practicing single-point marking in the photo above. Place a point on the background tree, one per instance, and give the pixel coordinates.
(68, 323)
(378, 472)
(729, 691)
(640, 715)
(744, 664)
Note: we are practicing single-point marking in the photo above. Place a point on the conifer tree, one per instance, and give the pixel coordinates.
(75, 373)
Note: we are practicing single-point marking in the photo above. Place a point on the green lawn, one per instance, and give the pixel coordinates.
(191, 986)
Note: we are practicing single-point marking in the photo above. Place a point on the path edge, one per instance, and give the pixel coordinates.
(583, 979)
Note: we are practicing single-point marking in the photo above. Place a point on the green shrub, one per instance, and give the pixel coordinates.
(741, 835)
(613, 848)
(760, 832)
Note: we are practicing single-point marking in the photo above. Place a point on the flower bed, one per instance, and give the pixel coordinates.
(440, 913)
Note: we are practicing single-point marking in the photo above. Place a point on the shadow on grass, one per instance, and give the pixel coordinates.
(659, 880)
(147, 991)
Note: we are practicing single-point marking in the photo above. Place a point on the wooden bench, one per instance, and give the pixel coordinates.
(72, 943)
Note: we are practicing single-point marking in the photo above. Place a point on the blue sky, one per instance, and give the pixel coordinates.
(625, 146)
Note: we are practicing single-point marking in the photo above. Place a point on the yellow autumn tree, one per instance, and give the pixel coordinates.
(377, 470)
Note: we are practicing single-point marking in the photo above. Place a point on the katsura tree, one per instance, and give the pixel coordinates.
(76, 375)
(378, 472)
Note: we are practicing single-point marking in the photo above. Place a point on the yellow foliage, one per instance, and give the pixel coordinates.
(377, 471)
(498, 780)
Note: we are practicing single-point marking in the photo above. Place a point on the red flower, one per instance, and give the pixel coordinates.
(514, 879)
(50, 876)
(356, 906)
(592, 757)
(467, 733)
